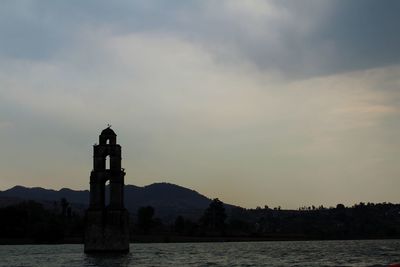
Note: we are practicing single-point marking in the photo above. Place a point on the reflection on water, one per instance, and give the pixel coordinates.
(106, 260)
(369, 253)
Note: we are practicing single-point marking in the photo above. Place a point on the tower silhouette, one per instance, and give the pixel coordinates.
(107, 226)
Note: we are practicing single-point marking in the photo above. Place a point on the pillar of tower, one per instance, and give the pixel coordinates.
(116, 194)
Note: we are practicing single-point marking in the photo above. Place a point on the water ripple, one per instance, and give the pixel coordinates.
(376, 253)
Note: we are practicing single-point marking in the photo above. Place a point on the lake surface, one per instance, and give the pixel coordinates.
(299, 253)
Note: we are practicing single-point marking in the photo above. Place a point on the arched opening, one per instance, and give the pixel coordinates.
(107, 193)
(108, 163)
(107, 141)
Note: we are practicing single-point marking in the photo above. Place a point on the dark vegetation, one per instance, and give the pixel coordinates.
(32, 222)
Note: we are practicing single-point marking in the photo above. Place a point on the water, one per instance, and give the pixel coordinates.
(299, 253)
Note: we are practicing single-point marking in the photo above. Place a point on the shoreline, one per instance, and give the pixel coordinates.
(187, 239)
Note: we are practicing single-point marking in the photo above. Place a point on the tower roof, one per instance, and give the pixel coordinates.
(108, 131)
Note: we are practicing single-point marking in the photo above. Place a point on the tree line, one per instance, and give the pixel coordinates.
(31, 222)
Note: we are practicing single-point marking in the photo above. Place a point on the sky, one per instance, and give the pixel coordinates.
(279, 103)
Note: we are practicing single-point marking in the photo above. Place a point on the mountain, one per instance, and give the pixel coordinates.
(168, 200)
(41, 194)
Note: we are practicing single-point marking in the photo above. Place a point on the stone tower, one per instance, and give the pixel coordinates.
(107, 226)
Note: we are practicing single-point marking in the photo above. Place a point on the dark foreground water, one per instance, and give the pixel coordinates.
(299, 253)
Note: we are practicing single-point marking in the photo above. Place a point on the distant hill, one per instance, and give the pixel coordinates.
(41, 194)
(168, 200)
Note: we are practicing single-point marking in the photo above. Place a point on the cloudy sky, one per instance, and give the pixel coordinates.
(255, 102)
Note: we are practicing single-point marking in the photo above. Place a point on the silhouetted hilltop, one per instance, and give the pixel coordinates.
(168, 200)
(42, 194)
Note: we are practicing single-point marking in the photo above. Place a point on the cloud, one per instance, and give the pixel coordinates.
(312, 38)
(202, 93)
(280, 36)
(183, 114)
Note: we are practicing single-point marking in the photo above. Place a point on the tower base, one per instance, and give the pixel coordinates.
(107, 231)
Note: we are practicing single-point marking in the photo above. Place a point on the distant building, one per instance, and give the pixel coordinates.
(107, 226)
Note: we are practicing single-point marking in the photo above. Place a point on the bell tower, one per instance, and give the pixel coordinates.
(107, 226)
